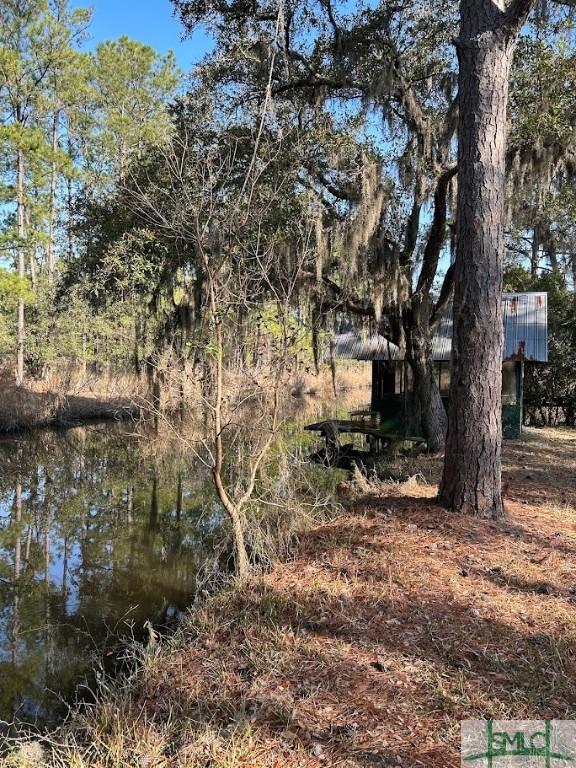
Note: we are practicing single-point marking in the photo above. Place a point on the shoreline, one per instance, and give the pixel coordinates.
(24, 410)
(390, 625)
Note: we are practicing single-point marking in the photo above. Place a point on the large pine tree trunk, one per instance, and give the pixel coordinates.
(471, 480)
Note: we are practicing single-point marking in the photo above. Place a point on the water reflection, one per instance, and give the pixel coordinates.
(100, 532)
(94, 541)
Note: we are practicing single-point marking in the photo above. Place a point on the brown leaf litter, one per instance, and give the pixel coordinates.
(394, 623)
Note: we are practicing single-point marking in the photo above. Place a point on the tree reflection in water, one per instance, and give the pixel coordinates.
(95, 540)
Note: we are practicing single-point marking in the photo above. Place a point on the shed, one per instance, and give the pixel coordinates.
(525, 341)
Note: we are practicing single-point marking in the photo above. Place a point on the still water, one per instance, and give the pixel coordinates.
(97, 537)
(101, 533)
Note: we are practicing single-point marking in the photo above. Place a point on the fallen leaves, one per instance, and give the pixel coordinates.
(386, 631)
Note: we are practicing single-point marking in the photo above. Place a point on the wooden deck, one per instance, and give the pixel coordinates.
(360, 427)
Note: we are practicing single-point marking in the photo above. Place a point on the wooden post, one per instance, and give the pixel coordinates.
(332, 437)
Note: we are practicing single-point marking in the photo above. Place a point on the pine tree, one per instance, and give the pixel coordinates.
(35, 40)
(131, 88)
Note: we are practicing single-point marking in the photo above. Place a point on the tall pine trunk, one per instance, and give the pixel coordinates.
(69, 192)
(471, 480)
(21, 267)
(52, 203)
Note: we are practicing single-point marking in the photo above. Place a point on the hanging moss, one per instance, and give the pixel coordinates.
(367, 215)
(321, 235)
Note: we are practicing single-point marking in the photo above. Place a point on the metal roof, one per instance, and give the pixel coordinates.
(525, 334)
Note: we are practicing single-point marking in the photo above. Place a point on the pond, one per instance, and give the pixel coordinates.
(102, 531)
(96, 538)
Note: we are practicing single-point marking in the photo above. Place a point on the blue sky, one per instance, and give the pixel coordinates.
(149, 21)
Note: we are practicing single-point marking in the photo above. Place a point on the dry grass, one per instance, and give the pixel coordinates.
(393, 623)
(350, 375)
(22, 408)
(70, 395)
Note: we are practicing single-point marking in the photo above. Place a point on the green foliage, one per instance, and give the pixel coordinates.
(318, 177)
(543, 93)
(284, 329)
(78, 122)
(541, 146)
(12, 288)
(70, 327)
(132, 86)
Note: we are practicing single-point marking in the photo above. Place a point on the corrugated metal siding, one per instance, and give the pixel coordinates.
(525, 326)
(442, 341)
(356, 346)
(525, 334)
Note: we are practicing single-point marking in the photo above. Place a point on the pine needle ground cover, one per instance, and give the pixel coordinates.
(392, 623)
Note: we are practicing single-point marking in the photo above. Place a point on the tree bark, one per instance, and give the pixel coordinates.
(535, 251)
(551, 254)
(52, 210)
(471, 480)
(420, 320)
(21, 267)
(433, 414)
